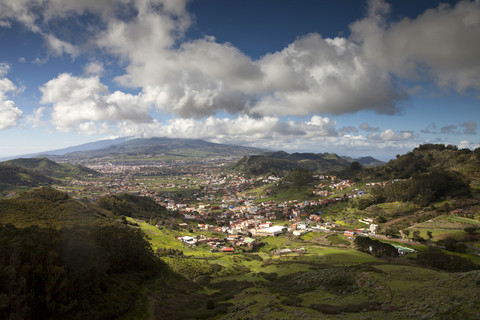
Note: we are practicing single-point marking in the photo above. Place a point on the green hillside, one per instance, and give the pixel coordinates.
(48, 208)
(15, 179)
(426, 158)
(262, 165)
(132, 206)
(51, 168)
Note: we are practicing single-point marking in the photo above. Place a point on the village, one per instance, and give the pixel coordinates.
(208, 200)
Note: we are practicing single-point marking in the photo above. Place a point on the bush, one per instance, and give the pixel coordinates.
(447, 262)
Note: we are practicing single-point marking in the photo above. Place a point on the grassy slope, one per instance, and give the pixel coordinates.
(270, 287)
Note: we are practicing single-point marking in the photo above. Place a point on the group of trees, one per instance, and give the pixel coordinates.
(447, 262)
(375, 247)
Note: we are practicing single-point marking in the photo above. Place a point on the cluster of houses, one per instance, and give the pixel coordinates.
(227, 244)
(370, 230)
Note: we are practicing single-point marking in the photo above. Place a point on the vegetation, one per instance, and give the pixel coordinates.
(65, 260)
(132, 206)
(50, 168)
(375, 247)
(423, 159)
(447, 262)
(14, 178)
(280, 163)
(118, 256)
(424, 188)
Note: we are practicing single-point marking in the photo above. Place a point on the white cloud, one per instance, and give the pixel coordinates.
(390, 135)
(93, 68)
(441, 44)
(78, 100)
(59, 47)
(35, 119)
(242, 130)
(89, 128)
(465, 144)
(10, 114)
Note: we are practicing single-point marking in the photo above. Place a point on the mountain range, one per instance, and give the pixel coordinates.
(167, 148)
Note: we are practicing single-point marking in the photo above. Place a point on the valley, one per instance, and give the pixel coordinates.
(243, 237)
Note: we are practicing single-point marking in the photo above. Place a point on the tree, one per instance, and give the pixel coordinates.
(429, 235)
(416, 234)
(406, 232)
(470, 230)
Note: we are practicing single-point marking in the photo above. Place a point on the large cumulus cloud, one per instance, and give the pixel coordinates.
(316, 75)
(78, 100)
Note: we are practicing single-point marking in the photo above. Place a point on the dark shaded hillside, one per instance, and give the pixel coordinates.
(18, 178)
(79, 273)
(280, 163)
(51, 168)
(47, 207)
(64, 259)
(369, 161)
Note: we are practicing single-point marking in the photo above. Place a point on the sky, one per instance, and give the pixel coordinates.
(358, 78)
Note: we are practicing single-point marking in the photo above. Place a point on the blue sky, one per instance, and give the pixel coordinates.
(352, 77)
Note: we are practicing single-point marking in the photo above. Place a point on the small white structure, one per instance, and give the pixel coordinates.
(271, 231)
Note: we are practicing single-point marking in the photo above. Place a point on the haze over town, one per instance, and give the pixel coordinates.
(355, 78)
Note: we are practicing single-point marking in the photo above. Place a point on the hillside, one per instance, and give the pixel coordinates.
(132, 206)
(262, 165)
(15, 178)
(48, 207)
(63, 259)
(50, 168)
(365, 161)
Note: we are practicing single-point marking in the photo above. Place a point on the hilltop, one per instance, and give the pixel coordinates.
(424, 159)
(15, 179)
